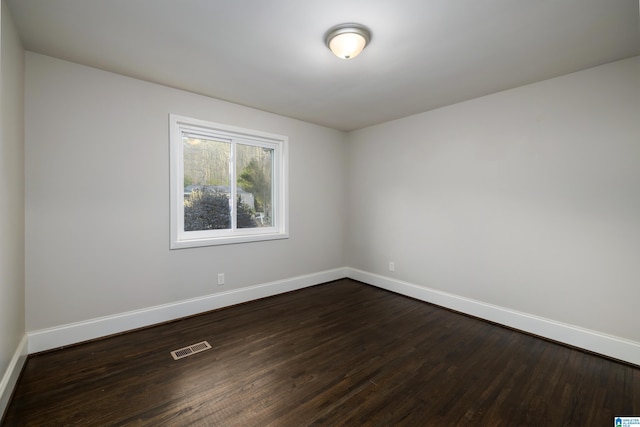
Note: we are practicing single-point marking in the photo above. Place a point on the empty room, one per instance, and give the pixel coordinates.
(362, 213)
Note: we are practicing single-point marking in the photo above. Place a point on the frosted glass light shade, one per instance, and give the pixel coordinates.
(346, 41)
(347, 45)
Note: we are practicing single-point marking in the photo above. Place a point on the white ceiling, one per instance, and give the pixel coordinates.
(270, 54)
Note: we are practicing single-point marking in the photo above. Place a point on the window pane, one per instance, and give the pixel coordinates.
(254, 171)
(206, 184)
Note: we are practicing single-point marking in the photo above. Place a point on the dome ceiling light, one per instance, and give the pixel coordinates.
(346, 41)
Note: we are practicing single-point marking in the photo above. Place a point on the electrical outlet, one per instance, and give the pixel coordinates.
(392, 266)
(220, 279)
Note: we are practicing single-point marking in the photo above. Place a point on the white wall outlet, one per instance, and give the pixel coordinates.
(392, 266)
(220, 279)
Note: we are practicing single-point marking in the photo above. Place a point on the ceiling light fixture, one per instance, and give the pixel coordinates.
(346, 41)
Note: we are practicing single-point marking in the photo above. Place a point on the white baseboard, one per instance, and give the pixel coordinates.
(11, 375)
(597, 342)
(60, 336)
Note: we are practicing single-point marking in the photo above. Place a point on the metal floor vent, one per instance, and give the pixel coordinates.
(192, 349)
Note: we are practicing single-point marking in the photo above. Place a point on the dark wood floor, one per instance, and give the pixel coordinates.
(342, 353)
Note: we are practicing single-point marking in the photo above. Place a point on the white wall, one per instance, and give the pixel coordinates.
(12, 304)
(528, 199)
(97, 197)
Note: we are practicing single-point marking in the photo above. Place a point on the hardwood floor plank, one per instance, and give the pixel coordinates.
(342, 353)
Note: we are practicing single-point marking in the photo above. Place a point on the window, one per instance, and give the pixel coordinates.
(228, 185)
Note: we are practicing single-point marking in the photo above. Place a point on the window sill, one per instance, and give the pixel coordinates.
(225, 240)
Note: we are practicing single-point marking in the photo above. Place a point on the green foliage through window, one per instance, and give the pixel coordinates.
(210, 210)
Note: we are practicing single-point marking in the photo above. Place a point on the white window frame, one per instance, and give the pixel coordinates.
(178, 125)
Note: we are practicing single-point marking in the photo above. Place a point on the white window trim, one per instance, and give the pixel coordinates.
(181, 239)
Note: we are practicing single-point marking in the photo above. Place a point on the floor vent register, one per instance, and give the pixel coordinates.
(190, 350)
